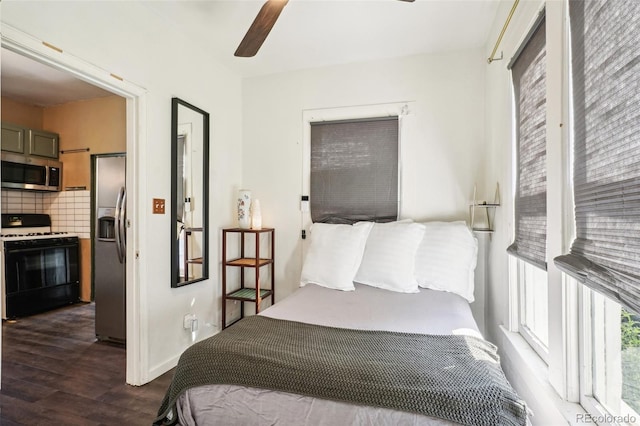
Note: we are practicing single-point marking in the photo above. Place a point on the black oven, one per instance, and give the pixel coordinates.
(40, 274)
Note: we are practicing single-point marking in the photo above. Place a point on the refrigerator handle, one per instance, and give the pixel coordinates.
(118, 220)
(123, 222)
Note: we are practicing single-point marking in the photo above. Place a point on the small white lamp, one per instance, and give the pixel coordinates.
(256, 215)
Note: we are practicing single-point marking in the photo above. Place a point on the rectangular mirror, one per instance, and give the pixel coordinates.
(189, 193)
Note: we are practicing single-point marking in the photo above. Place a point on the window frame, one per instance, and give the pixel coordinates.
(563, 349)
(569, 318)
(517, 265)
(347, 159)
(525, 331)
(595, 256)
(400, 109)
(589, 380)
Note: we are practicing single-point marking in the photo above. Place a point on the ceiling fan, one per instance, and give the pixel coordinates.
(261, 26)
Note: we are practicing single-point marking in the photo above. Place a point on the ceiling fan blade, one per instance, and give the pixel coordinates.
(260, 28)
(408, 1)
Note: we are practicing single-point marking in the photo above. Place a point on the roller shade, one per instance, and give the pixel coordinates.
(354, 170)
(605, 45)
(530, 203)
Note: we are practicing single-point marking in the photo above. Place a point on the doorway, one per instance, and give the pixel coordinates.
(134, 98)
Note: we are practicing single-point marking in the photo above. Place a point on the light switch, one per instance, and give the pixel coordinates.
(304, 203)
(158, 206)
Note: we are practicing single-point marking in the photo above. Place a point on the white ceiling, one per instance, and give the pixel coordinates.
(315, 33)
(33, 83)
(308, 34)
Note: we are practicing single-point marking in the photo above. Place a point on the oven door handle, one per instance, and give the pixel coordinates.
(118, 222)
(11, 251)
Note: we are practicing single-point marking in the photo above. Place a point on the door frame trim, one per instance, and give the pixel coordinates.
(137, 371)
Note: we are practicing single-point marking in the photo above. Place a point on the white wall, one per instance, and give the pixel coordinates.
(442, 157)
(126, 39)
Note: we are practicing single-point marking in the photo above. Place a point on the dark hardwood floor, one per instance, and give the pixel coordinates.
(54, 372)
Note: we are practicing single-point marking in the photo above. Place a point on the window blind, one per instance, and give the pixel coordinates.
(354, 170)
(605, 50)
(530, 203)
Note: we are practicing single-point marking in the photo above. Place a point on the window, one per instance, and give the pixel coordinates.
(611, 350)
(354, 170)
(605, 255)
(533, 321)
(591, 322)
(528, 70)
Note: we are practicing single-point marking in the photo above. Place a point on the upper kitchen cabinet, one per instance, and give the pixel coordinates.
(13, 138)
(43, 144)
(29, 141)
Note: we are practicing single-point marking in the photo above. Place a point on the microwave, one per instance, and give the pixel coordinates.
(29, 172)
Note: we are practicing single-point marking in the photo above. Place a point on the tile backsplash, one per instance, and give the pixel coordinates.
(70, 211)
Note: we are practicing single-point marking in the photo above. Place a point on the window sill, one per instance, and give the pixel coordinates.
(529, 374)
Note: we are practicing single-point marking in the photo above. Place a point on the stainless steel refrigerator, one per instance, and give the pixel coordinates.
(109, 245)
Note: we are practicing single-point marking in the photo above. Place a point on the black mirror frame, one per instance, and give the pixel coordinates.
(175, 269)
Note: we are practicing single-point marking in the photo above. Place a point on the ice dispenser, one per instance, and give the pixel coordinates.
(106, 224)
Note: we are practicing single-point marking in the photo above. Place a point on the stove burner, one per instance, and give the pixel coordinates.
(29, 226)
(35, 234)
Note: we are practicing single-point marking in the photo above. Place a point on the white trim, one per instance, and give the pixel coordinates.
(33, 48)
(159, 370)
(585, 353)
(532, 339)
(514, 294)
(571, 338)
(601, 371)
(559, 321)
(562, 336)
(137, 307)
(571, 316)
(28, 46)
(536, 344)
(529, 375)
(601, 365)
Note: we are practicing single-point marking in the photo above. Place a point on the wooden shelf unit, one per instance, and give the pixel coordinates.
(187, 260)
(253, 294)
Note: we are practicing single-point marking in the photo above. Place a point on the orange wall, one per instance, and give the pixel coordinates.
(21, 114)
(85, 270)
(98, 124)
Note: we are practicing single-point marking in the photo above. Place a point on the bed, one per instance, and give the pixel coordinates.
(367, 341)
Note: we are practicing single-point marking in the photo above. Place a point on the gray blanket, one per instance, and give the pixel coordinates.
(456, 378)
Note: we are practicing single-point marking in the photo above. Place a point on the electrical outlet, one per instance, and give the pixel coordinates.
(158, 206)
(188, 321)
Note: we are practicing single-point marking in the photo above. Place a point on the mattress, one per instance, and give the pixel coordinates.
(371, 308)
(366, 308)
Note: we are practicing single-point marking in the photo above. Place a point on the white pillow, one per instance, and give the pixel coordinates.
(446, 258)
(334, 254)
(389, 257)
